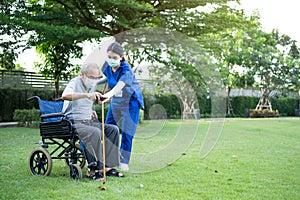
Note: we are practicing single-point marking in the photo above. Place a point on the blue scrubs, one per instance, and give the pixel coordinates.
(124, 107)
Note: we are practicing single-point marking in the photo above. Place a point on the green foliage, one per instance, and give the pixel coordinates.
(11, 41)
(270, 57)
(285, 105)
(98, 110)
(57, 61)
(7, 57)
(13, 98)
(112, 17)
(55, 33)
(64, 24)
(169, 103)
(29, 118)
(241, 103)
(204, 105)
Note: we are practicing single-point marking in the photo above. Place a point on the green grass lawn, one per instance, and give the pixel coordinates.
(253, 159)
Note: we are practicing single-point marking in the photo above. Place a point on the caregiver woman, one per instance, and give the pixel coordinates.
(126, 99)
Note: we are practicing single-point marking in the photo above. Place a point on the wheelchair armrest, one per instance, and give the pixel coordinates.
(52, 115)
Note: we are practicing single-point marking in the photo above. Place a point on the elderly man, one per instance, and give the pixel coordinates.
(79, 96)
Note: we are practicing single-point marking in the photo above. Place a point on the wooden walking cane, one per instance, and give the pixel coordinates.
(103, 145)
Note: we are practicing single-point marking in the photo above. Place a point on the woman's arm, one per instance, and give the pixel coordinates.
(120, 85)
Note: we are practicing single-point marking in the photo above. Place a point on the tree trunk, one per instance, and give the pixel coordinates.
(56, 83)
(186, 110)
(56, 80)
(229, 106)
(188, 107)
(264, 101)
(299, 99)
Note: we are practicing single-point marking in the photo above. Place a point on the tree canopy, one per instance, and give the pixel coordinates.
(57, 27)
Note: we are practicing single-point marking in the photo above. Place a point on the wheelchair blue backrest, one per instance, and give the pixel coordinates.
(49, 107)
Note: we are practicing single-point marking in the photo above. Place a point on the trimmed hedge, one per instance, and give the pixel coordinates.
(241, 103)
(285, 105)
(13, 98)
(170, 103)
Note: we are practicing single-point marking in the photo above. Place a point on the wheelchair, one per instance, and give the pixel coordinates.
(59, 141)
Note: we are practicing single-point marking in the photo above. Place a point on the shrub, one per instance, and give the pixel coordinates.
(28, 118)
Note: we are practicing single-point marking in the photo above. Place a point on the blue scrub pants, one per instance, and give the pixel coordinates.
(126, 117)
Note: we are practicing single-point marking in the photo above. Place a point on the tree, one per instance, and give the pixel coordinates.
(53, 32)
(273, 67)
(294, 62)
(11, 39)
(226, 48)
(57, 61)
(256, 58)
(51, 19)
(170, 77)
(179, 64)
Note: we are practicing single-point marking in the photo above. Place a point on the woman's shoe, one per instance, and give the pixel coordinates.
(124, 167)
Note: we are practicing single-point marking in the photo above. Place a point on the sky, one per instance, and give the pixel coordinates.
(278, 14)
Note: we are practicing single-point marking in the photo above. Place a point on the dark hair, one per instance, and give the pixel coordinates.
(116, 48)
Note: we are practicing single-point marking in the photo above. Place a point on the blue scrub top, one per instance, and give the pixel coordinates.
(131, 92)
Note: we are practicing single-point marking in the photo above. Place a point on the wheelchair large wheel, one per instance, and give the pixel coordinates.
(75, 172)
(79, 152)
(40, 162)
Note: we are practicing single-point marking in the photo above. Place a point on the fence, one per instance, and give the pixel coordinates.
(22, 79)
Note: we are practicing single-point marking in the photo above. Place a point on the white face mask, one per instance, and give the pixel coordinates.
(89, 83)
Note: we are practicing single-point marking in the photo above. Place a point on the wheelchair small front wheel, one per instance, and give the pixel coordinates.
(79, 156)
(40, 162)
(75, 172)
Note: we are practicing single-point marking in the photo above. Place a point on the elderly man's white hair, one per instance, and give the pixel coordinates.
(86, 66)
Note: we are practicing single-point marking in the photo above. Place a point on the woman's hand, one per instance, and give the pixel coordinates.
(104, 98)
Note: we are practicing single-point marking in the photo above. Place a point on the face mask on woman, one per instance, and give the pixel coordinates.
(113, 63)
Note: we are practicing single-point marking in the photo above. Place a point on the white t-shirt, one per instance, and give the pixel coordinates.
(80, 109)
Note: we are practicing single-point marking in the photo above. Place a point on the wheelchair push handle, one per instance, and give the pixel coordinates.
(34, 97)
(38, 98)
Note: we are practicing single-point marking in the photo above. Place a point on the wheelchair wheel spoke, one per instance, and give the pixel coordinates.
(40, 162)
